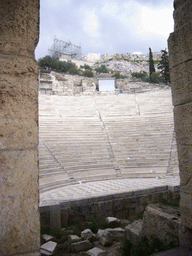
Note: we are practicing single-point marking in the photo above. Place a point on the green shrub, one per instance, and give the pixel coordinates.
(88, 73)
(102, 69)
(155, 78)
(86, 66)
(73, 71)
(117, 75)
(141, 75)
(95, 223)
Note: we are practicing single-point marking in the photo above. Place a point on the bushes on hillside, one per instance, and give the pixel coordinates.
(117, 75)
(88, 73)
(86, 67)
(141, 75)
(102, 69)
(155, 77)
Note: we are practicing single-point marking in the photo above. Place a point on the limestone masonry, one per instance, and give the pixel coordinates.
(19, 220)
(180, 57)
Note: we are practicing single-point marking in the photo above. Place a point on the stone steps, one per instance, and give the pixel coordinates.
(89, 136)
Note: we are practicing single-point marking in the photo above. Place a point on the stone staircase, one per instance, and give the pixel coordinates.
(87, 138)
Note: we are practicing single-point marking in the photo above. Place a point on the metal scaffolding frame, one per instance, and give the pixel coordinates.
(65, 50)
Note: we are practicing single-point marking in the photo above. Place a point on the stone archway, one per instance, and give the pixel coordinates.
(19, 130)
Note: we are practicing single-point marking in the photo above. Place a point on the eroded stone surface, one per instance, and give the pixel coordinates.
(104, 237)
(73, 238)
(19, 27)
(113, 221)
(47, 237)
(116, 232)
(81, 246)
(180, 55)
(96, 252)
(133, 231)
(161, 222)
(87, 234)
(48, 248)
(19, 220)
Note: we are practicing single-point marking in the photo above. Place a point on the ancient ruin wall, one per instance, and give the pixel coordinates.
(19, 215)
(180, 52)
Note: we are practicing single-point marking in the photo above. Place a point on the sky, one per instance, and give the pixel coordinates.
(106, 26)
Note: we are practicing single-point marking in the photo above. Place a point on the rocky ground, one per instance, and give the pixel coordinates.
(96, 236)
(125, 67)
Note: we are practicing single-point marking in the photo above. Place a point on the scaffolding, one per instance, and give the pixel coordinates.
(65, 50)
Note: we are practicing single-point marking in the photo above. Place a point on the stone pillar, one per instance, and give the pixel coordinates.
(180, 56)
(19, 214)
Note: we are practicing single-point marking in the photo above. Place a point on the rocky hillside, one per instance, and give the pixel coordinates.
(124, 67)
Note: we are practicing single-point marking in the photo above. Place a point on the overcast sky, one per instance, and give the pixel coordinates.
(106, 26)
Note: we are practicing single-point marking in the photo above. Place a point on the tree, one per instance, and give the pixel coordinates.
(48, 61)
(88, 73)
(102, 69)
(62, 66)
(164, 66)
(73, 71)
(151, 64)
(86, 66)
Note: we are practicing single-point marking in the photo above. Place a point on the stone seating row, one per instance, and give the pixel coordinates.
(105, 137)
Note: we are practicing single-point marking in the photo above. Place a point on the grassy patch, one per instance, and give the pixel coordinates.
(95, 223)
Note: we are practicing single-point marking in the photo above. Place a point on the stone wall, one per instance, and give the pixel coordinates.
(19, 215)
(180, 52)
(122, 205)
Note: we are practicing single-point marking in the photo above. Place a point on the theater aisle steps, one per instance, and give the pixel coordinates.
(89, 138)
(74, 141)
(141, 133)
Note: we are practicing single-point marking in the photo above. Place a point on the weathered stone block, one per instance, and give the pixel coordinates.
(48, 248)
(19, 27)
(73, 238)
(81, 246)
(133, 230)
(104, 237)
(161, 222)
(87, 234)
(185, 163)
(55, 216)
(96, 252)
(186, 204)
(180, 45)
(117, 205)
(183, 124)
(181, 80)
(114, 222)
(18, 88)
(19, 221)
(116, 232)
(47, 238)
(18, 134)
(185, 238)
(182, 13)
(17, 66)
